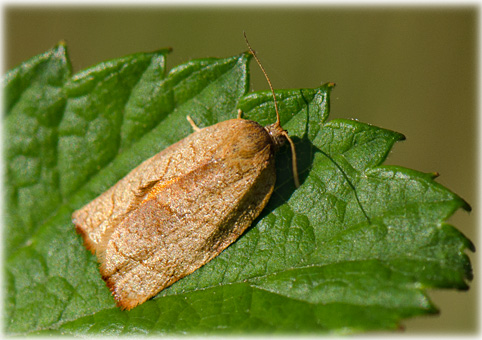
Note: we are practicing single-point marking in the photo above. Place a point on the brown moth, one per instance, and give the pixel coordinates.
(179, 209)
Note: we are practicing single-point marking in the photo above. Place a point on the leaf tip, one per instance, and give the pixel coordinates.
(464, 204)
(61, 47)
(247, 55)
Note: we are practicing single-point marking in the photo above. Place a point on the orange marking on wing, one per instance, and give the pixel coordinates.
(158, 188)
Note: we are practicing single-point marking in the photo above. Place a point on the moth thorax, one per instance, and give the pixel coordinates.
(277, 134)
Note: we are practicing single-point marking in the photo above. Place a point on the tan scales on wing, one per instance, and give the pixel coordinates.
(194, 209)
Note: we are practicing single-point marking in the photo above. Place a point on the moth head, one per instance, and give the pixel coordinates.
(278, 134)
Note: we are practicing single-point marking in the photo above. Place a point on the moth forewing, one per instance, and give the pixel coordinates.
(149, 242)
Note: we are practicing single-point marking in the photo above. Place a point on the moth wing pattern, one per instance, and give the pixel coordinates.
(179, 209)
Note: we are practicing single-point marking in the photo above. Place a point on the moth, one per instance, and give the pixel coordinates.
(179, 209)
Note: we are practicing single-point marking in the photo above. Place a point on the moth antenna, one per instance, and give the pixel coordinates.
(266, 76)
(292, 145)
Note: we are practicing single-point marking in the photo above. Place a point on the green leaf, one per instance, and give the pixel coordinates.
(353, 249)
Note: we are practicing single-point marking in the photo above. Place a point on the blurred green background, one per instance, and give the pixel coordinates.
(408, 69)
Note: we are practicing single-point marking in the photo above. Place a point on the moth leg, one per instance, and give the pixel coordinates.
(240, 113)
(194, 126)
